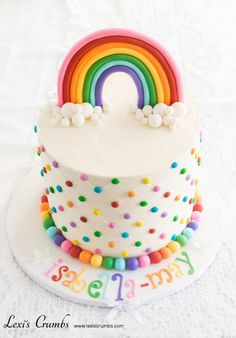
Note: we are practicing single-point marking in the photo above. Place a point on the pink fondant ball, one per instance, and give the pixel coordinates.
(196, 216)
(144, 261)
(66, 245)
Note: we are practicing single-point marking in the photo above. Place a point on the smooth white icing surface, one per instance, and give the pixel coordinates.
(121, 145)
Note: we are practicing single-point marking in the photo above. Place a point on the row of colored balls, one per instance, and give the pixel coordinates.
(120, 263)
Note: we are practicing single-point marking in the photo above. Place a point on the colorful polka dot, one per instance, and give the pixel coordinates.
(177, 198)
(75, 242)
(111, 225)
(115, 180)
(138, 244)
(85, 239)
(152, 231)
(97, 189)
(83, 219)
(131, 193)
(143, 203)
(162, 236)
(73, 224)
(146, 180)
(125, 234)
(97, 234)
(54, 210)
(185, 198)
(51, 189)
(97, 212)
(48, 167)
(64, 229)
(154, 209)
(166, 194)
(127, 216)
(183, 171)
(139, 224)
(164, 214)
(174, 237)
(111, 244)
(60, 208)
(175, 218)
(82, 198)
(70, 204)
(69, 183)
(174, 165)
(55, 164)
(188, 177)
(148, 250)
(83, 177)
(98, 251)
(115, 204)
(125, 254)
(59, 188)
(156, 188)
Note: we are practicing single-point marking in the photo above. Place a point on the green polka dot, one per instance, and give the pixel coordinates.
(115, 181)
(82, 198)
(183, 171)
(108, 263)
(138, 243)
(97, 233)
(64, 229)
(51, 189)
(175, 218)
(48, 222)
(143, 203)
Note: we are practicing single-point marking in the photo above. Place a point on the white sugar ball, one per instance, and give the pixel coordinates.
(167, 120)
(65, 122)
(147, 110)
(180, 109)
(78, 120)
(159, 108)
(144, 120)
(77, 108)
(87, 109)
(168, 111)
(67, 110)
(53, 122)
(155, 120)
(107, 107)
(97, 110)
(139, 114)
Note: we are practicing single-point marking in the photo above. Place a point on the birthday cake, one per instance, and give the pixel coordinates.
(120, 154)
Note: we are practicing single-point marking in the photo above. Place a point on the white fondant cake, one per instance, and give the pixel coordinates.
(120, 188)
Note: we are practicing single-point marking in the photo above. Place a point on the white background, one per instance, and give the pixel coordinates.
(34, 36)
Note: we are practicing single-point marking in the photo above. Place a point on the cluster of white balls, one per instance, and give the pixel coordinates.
(73, 114)
(161, 114)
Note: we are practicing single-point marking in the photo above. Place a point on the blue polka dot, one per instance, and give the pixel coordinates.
(41, 172)
(59, 188)
(154, 209)
(97, 189)
(54, 210)
(86, 239)
(125, 234)
(174, 237)
(185, 198)
(174, 165)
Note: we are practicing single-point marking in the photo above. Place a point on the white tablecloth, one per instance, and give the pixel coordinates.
(34, 36)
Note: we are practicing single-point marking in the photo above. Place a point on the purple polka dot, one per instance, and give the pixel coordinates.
(127, 216)
(73, 224)
(164, 214)
(46, 191)
(148, 250)
(55, 164)
(188, 177)
(156, 188)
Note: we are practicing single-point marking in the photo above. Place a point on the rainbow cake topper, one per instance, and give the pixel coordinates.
(100, 54)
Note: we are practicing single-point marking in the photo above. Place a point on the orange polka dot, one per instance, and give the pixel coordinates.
(131, 193)
(111, 244)
(70, 204)
(177, 197)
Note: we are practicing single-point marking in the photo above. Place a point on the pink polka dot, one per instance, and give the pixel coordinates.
(98, 251)
(60, 207)
(83, 177)
(112, 225)
(162, 236)
(156, 188)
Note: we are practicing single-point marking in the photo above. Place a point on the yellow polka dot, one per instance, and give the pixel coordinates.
(182, 220)
(97, 212)
(147, 180)
(139, 224)
(177, 197)
(111, 244)
(48, 167)
(70, 204)
(125, 254)
(75, 242)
